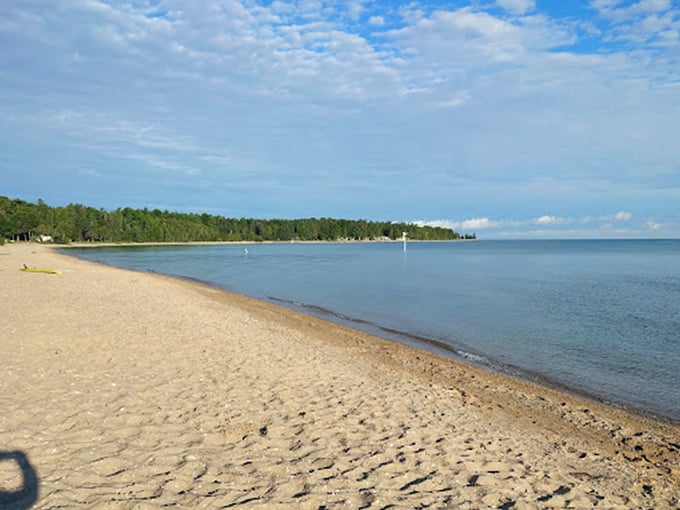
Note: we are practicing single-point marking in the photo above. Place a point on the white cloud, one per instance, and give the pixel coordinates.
(376, 21)
(655, 22)
(604, 4)
(517, 6)
(652, 225)
(355, 9)
(479, 223)
(411, 13)
(620, 10)
(650, 6)
(550, 220)
(623, 216)
(466, 225)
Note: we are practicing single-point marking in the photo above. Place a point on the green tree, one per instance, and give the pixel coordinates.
(77, 222)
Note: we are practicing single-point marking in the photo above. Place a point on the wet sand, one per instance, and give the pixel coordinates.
(133, 390)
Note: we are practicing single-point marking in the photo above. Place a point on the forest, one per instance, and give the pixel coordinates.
(21, 220)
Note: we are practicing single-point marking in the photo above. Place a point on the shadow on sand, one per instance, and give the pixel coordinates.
(25, 496)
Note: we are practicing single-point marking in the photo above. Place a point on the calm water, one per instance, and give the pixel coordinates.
(601, 317)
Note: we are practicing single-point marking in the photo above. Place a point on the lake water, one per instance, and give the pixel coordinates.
(598, 317)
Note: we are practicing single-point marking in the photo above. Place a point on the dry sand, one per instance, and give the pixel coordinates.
(130, 390)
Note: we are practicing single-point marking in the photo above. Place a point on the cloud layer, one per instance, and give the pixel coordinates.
(521, 119)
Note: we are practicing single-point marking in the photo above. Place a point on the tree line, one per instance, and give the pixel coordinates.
(21, 220)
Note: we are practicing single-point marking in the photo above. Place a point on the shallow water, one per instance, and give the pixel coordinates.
(600, 317)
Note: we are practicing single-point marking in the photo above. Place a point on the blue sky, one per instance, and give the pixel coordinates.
(508, 118)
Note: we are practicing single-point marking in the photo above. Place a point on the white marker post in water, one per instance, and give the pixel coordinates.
(403, 236)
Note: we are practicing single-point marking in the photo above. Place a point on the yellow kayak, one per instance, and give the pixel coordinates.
(34, 270)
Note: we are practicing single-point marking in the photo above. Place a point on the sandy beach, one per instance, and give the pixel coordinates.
(131, 390)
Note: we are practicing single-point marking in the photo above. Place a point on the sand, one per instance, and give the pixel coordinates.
(129, 390)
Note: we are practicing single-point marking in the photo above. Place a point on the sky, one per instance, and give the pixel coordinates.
(506, 118)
